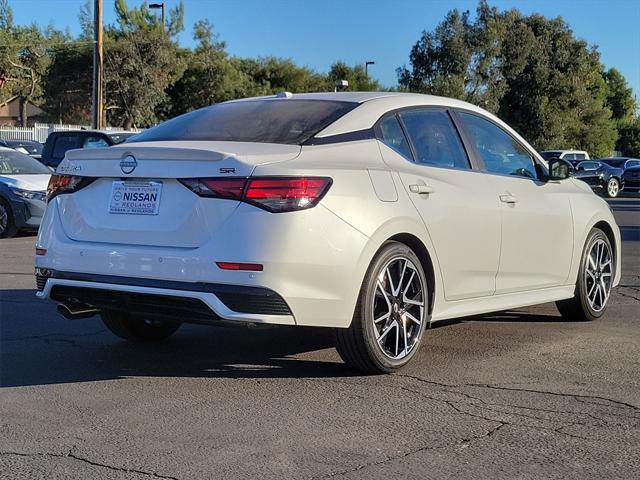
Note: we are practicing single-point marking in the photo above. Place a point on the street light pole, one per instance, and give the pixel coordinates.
(98, 62)
(366, 67)
(161, 7)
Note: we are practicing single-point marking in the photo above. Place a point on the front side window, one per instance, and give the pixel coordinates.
(580, 156)
(435, 139)
(498, 150)
(391, 135)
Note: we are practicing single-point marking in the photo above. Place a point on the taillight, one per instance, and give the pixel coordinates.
(66, 184)
(274, 194)
(216, 187)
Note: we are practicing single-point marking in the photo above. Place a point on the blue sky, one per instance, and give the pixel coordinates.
(316, 33)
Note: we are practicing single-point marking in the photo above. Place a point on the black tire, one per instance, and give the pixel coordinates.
(358, 345)
(578, 308)
(138, 329)
(7, 224)
(610, 192)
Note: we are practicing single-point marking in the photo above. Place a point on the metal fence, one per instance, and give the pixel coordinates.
(40, 131)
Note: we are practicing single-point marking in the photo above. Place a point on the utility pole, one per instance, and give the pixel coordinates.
(98, 63)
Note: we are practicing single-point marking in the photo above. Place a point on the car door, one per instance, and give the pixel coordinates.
(455, 203)
(537, 225)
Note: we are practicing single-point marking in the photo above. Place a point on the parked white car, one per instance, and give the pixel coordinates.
(23, 187)
(572, 156)
(376, 214)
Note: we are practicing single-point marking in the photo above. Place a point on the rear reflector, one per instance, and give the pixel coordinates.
(274, 194)
(253, 267)
(41, 252)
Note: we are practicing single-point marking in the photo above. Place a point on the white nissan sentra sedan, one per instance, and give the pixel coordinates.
(375, 214)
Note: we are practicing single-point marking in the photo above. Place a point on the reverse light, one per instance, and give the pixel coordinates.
(66, 184)
(274, 194)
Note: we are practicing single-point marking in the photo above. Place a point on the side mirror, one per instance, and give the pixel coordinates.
(559, 169)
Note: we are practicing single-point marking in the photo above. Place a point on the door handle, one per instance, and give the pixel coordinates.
(508, 198)
(421, 189)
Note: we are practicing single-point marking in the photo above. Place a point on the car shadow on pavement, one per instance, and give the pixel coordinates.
(37, 346)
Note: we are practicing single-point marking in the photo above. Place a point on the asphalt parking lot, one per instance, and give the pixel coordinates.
(519, 394)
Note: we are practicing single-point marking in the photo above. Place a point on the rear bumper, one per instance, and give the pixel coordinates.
(189, 302)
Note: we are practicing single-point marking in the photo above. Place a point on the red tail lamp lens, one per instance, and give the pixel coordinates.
(66, 184)
(275, 194)
(287, 193)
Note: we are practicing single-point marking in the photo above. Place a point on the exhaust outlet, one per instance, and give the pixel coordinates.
(77, 312)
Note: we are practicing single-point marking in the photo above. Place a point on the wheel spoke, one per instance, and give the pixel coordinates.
(397, 337)
(386, 331)
(406, 346)
(412, 318)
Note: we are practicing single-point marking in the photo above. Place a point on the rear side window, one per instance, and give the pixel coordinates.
(62, 144)
(435, 139)
(287, 121)
(391, 134)
(580, 156)
(499, 151)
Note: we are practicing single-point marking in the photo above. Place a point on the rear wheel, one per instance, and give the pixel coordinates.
(7, 226)
(613, 187)
(138, 329)
(391, 313)
(595, 280)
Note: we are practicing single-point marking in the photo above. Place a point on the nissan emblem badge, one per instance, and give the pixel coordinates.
(128, 164)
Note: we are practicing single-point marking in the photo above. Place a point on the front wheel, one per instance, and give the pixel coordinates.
(390, 315)
(595, 280)
(138, 329)
(7, 226)
(613, 187)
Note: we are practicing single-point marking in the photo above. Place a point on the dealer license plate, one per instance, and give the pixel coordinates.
(135, 198)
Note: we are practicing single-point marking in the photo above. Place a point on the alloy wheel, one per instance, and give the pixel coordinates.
(613, 188)
(598, 275)
(398, 308)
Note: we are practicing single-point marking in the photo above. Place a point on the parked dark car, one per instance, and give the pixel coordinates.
(602, 178)
(30, 147)
(631, 178)
(59, 142)
(621, 162)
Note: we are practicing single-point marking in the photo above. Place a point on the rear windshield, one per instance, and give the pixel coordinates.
(264, 121)
(16, 163)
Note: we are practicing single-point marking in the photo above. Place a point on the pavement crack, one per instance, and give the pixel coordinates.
(579, 398)
(78, 458)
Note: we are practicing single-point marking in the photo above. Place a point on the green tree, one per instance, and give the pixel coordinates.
(210, 75)
(629, 138)
(142, 62)
(529, 70)
(356, 76)
(24, 59)
(620, 97)
(271, 75)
